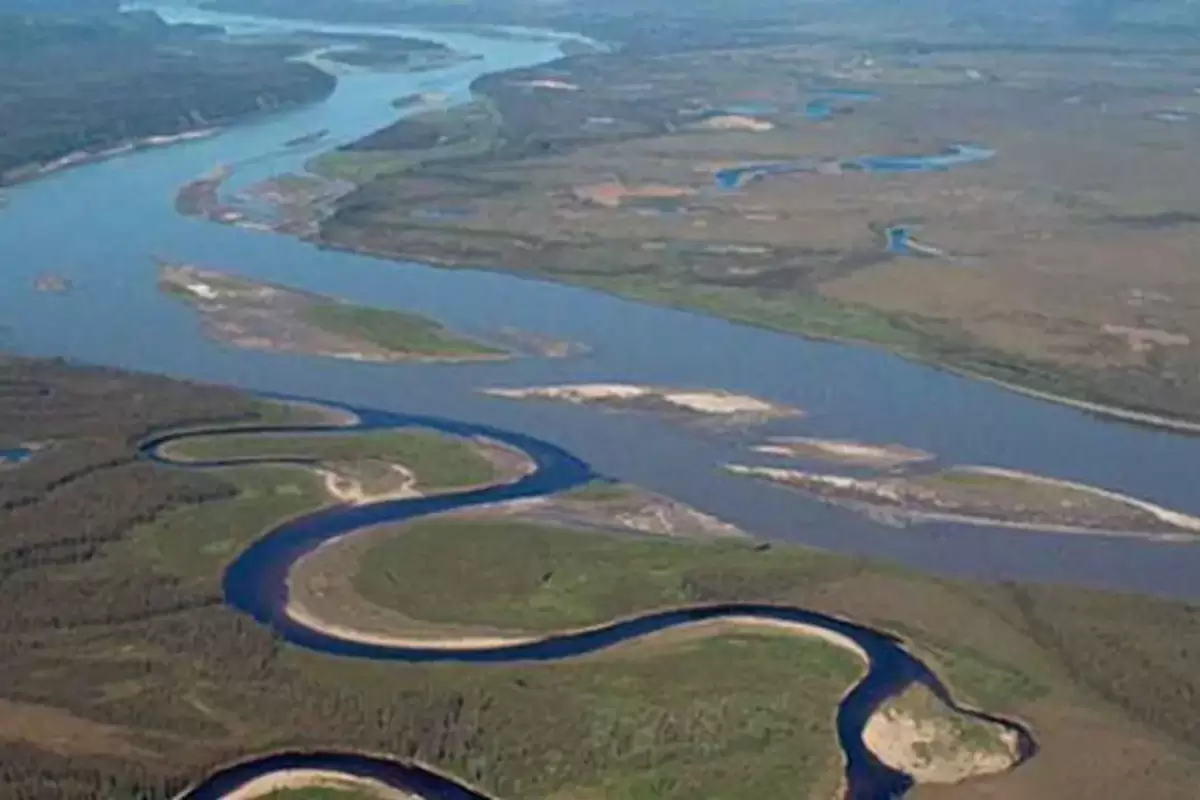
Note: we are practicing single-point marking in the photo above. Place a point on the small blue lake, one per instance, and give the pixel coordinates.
(826, 103)
(954, 156)
(15, 455)
(897, 240)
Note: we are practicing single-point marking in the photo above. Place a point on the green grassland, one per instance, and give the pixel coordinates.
(461, 132)
(444, 462)
(521, 576)
(393, 330)
(625, 725)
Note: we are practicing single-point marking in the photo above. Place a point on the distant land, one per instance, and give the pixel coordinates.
(59, 6)
(128, 675)
(147, 80)
(917, 186)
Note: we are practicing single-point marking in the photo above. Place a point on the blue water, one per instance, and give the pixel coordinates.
(953, 156)
(897, 239)
(443, 213)
(121, 215)
(15, 455)
(823, 106)
(819, 110)
(256, 584)
(847, 94)
(750, 109)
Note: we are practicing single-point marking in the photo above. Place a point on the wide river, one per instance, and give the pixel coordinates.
(101, 225)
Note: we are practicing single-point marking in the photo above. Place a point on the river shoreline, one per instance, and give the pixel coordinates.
(79, 158)
(272, 783)
(256, 583)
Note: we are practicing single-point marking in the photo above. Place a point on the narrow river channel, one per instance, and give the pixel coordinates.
(256, 583)
(101, 226)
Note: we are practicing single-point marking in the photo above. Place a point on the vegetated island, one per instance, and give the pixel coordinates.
(149, 84)
(126, 676)
(391, 53)
(692, 405)
(842, 451)
(266, 316)
(989, 496)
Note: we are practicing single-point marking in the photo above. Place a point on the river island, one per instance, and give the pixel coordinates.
(989, 496)
(265, 316)
(711, 406)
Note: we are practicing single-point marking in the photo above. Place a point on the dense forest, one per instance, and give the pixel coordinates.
(74, 82)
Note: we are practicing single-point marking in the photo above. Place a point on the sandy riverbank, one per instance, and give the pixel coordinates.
(1099, 409)
(298, 613)
(930, 746)
(844, 451)
(712, 404)
(294, 779)
(932, 750)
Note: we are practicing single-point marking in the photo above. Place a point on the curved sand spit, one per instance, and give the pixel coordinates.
(1176, 518)
(267, 785)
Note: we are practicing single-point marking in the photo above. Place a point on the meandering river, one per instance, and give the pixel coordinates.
(101, 225)
(256, 584)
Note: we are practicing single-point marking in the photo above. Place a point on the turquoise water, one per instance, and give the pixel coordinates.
(897, 239)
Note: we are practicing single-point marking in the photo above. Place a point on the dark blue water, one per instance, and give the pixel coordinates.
(256, 584)
(15, 455)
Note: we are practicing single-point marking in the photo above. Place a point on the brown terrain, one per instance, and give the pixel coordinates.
(1062, 264)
